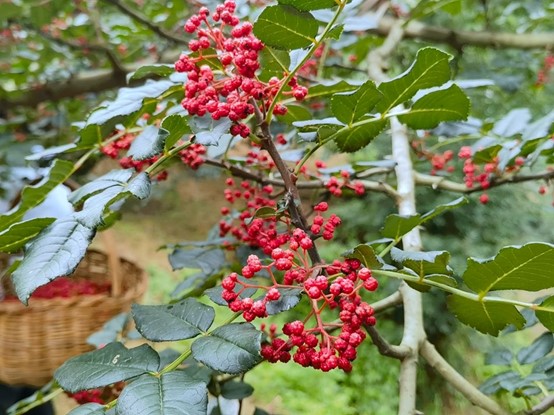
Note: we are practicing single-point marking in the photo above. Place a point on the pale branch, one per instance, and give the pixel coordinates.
(384, 347)
(147, 22)
(451, 375)
(437, 182)
(543, 406)
(459, 38)
(388, 302)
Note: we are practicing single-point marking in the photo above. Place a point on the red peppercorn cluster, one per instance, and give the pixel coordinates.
(192, 156)
(329, 287)
(258, 232)
(336, 186)
(230, 92)
(543, 73)
(439, 161)
(101, 396)
(65, 287)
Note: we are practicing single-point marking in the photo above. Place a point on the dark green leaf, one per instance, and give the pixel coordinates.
(88, 409)
(537, 350)
(423, 263)
(355, 138)
(260, 411)
(444, 105)
(290, 297)
(529, 267)
(236, 390)
(32, 196)
(172, 393)
(321, 90)
(366, 255)
(546, 313)
(544, 365)
(295, 113)
(51, 152)
(500, 357)
(215, 293)
(17, 235)
(179, 321)
(442, 279)
(284, 27)
(210, 132)
(273, 62)
(439, 210)
(493, 384)
(109, 332)
(55, 252)
(487, 154)
(430, 69)
(113, 363)
(397, 226)
(349, 107)
(307, 5)
(208, 260)
(487, 317)
(176, 126)
(233, 348)
(148, 143)
(162, 70)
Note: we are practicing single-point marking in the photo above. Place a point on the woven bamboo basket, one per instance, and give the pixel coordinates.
(36, 339)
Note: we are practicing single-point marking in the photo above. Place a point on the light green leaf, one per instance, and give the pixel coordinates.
(17, 235)
(355, 138)
(444, 105)
(486, 317)
(176, 126)
(529, 267)
(173, 393)
(151, 70)
(307, 5)
(430, 69)
(546, 313)
(32, 196)
(284, 27)
(398, 225)
(113, 363)
(349, 107)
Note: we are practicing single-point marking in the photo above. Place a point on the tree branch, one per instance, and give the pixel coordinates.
(146, 22)
(459, 38)
(384, 347)
(474, 395)
(542, 406)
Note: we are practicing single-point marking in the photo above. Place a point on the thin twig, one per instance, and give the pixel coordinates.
(146, 22)
(384, 347)
(542, 406)
(451, 375)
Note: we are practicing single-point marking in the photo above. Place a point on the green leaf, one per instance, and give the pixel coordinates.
(528, 267)
(32, 196)
(542, 346)
(546, 315)
(307, 5)
(355, 138)
(290, 297)
(88, 409)
(113, 363)
(444, 105)
(486, 317)
(493, 384)
(430, 69)
(148, 143)
(397, 225)
(236, 390)
(426, 7)
(349, 107)
(176, 126)
(215, 294)
(208, 260)
(442, 279)
(284, 27)
(172, 393)
(273, 62)
(423, 263)
(113, 178)
(440, 209)
(179, 321)
(233, 348)
(500, 357)
(150, 71)
(17, 235)
(321, 90)
(366, 255)
(210, 132)
(487, 154)
(128, 102)
(295, 113)
(55, 252)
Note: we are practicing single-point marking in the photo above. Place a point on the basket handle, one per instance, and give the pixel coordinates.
(114, 264)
